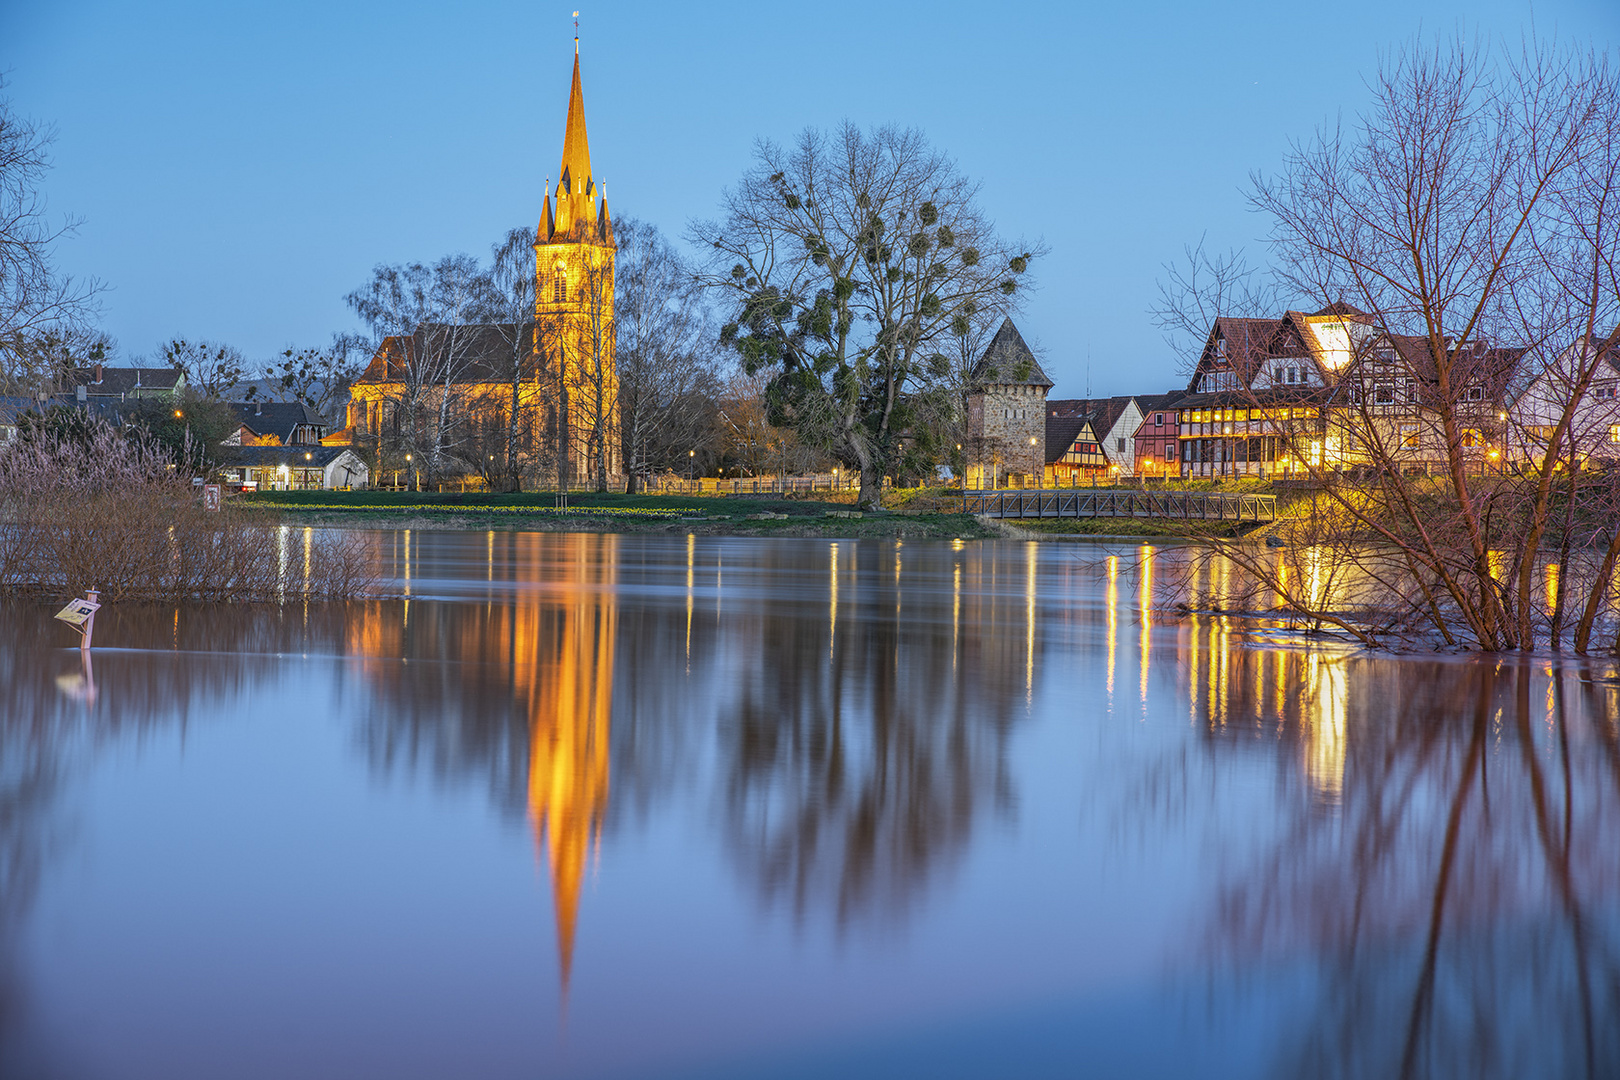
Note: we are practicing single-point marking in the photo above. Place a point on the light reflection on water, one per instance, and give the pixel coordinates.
(592, 805)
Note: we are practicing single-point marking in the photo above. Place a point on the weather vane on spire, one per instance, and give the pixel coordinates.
(576, 32)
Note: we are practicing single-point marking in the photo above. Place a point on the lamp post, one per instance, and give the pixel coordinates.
(1040, 466)
(691, 464)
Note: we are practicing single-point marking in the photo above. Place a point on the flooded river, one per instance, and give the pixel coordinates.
(649, 806)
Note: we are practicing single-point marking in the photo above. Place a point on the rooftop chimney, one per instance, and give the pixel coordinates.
(98, 372)
(258, 408)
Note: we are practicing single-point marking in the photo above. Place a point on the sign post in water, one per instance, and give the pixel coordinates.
(81, 615)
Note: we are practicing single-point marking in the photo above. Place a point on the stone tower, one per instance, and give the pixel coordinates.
(1006, 421)
(573, 308)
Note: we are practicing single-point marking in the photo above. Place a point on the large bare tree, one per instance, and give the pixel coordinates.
(435, 312)
(664, 352)
(1464, 226)
(844, 261)
(41, 309)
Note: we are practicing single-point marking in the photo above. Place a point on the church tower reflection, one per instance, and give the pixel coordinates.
(563, 646)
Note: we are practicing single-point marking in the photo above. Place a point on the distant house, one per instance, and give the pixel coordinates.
(1073, 450)
(275, 423)
(124, 383)
(1594, 422)
(1113, 422)
(1158, 436)
(1331, 389)
(1006, 414)
(302, 467)
(11, 409)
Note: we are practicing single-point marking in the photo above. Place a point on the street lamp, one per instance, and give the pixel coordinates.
(691, 464)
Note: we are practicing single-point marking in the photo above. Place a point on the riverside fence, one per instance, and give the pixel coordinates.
(1176, 505)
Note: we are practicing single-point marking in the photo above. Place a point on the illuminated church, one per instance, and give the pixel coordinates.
(556, 374)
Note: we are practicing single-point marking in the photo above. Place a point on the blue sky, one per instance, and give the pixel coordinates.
(240, 167)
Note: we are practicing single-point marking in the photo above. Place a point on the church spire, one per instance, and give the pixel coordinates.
(576, 156)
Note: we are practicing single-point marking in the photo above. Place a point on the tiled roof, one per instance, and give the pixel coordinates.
(1061, 431)
(1245, 399)
(278, 418)
(13, 407)
(261, 457)
(1103, 412)
(1008, 361)
(124, 380)
(479, 352)
(1149, 402)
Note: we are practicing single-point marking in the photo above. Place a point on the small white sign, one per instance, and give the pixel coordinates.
(78, 612)
(210, 496)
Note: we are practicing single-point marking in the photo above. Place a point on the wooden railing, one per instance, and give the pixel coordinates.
(1176, 505)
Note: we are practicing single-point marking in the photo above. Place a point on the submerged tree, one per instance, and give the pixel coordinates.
(1460, 240)
(845, 261)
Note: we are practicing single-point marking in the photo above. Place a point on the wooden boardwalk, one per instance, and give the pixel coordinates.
(1082, 503)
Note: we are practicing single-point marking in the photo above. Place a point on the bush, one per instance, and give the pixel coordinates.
(108, 512)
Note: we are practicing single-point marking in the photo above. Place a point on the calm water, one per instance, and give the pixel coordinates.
(625, 806)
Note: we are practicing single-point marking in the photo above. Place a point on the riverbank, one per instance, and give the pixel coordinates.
(908, 515)
(705, 516)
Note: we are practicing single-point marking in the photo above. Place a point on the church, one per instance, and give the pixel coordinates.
(531, 403)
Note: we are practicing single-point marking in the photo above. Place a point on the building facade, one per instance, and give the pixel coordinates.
(511, 400)
(1006, 414)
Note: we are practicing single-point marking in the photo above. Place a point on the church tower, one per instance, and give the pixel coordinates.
(573, 307)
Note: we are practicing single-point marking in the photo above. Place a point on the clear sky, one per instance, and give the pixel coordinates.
(241, 166)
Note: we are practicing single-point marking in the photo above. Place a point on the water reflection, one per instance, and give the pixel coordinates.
(860, 751)
(1425, 847)
(1447, 863)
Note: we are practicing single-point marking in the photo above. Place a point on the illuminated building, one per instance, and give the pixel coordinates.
(556, 373)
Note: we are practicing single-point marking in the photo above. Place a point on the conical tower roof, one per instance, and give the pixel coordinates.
(575, 172)
(1007, 361)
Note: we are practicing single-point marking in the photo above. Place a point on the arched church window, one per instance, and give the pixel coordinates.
(559, 284)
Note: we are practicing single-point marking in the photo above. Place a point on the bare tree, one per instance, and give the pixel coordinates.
(522, 362)
(39, 306)
(1203, 287)
(844, 261)
(1458, 240)
(594, 376)
(664, 338)
(210, 366)
(427, 318)
(316, 377)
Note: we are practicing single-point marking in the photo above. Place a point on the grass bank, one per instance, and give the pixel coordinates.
(706, 515)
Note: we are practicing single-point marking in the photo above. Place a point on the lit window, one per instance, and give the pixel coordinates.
(1614, 433)
(1409, 436)
(1471, 437)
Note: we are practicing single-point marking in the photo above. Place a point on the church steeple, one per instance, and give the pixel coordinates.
(576, 156)
(578, 215)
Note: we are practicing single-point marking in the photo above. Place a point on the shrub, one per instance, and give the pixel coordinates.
(99, 510)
